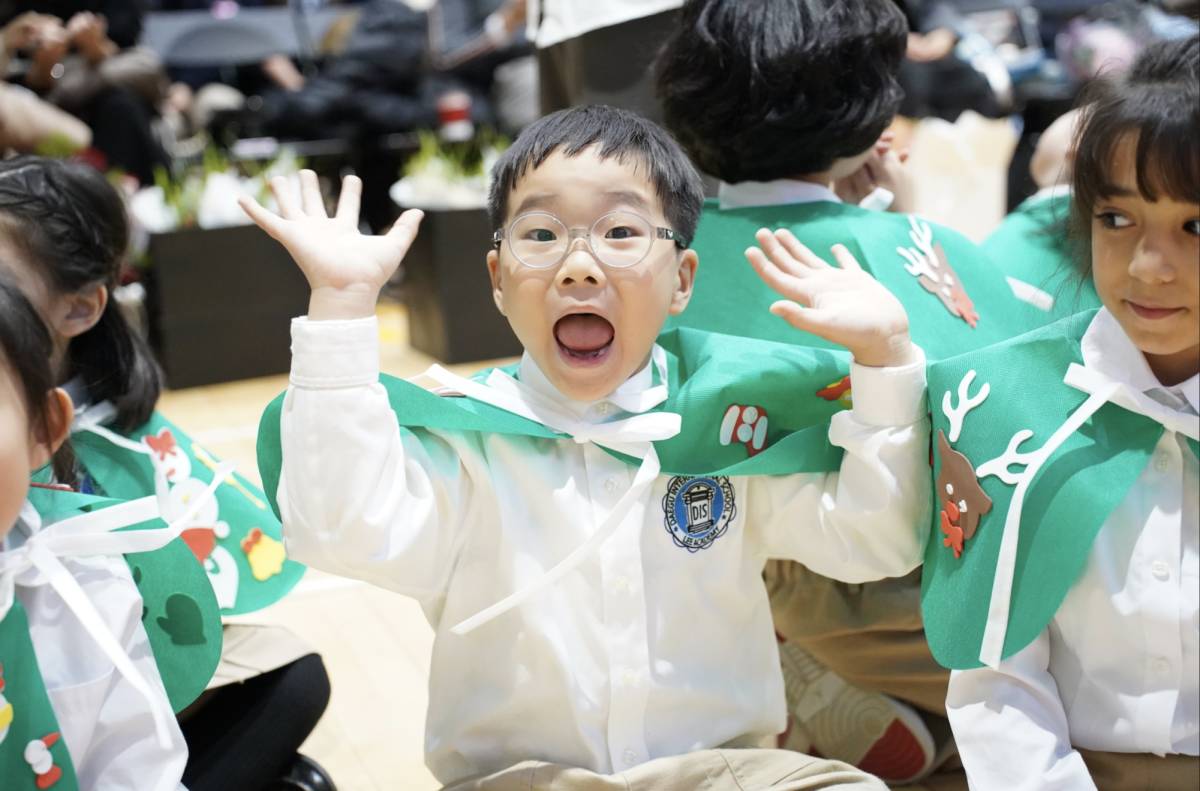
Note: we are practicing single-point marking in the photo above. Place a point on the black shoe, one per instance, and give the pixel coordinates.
(305, 774)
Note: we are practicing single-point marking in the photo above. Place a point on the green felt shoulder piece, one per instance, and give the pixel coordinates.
(180, 612)
(728, 297)
(26, 716)
(236, 536)
(1031, 245)
(1066, 505)
(798, 388)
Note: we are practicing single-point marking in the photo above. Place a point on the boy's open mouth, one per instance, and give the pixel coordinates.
(584, 336)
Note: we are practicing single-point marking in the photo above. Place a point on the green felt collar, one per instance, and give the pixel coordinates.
(180, 611)
(798, 388)
(1066, 505)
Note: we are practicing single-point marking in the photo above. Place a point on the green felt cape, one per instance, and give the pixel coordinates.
(1069, 500)
(730, 298)
(180, 609)
(25, 712)
(246, 565)
(1031, 245)
(797, 387)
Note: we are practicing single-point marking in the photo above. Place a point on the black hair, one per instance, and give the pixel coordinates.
(71, 224)
(758, 90)
(616, 133)
(25, 347)
(1157, 100)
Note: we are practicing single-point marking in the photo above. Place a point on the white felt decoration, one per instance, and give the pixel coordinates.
(965, 404)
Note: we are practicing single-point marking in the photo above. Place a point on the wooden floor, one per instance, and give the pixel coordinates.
(375, 644)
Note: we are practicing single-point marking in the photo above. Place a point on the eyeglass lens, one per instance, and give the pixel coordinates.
(619, 239)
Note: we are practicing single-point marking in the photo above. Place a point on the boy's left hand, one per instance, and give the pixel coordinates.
(843, 305)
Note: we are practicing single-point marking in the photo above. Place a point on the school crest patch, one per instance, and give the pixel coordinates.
(696, 511)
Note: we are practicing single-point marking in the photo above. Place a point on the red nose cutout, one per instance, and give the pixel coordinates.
(952, 510)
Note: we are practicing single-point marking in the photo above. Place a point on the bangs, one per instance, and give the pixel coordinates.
(1167, 157)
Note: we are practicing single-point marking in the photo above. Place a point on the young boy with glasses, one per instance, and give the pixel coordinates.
(587, 530)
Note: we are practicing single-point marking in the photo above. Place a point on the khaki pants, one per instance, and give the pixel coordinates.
(871, 635)
(706, 770)
(1142, 771)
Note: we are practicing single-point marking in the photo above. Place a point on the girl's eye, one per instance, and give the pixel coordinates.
(1114, 220)
(1192, 227)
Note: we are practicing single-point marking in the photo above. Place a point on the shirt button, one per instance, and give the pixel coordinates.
(628, 677)
(1161, 667)
(602, 408)
(1162, 462)
(1160, 570)
(610, 485)
(629, 756)
(621, 582)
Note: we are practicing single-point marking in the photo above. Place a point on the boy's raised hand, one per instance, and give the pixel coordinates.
(345, 269)
(843, 305)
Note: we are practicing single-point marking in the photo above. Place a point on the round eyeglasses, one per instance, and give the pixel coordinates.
(619, 239)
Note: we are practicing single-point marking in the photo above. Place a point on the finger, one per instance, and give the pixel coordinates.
(289, 206)
(845, 259)
(864, 181)
(802, 318)
(270, 222)
(777, 280)
(778, 254)
(904, 155)
(350, 200)
(799, 251)
(310, 195)
(405, 229)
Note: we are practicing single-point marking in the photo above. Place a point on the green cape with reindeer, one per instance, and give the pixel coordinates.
(1068, 502)
(971, 307)
(799, 388)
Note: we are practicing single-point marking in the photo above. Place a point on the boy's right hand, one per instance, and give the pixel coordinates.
(345, 269)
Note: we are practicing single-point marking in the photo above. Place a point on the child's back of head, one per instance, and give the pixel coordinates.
(758, 91)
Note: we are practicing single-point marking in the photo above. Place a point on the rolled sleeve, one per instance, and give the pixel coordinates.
(334, 354)
(889, 397)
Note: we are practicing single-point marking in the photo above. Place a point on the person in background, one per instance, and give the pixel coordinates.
(599, 52)
(936, 82)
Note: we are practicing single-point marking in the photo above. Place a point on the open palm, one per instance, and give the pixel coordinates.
(842, 304)
(331, 251)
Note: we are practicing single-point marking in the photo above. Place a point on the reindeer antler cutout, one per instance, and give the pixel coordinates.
(965, 403)
(928, 263)
(992, 649)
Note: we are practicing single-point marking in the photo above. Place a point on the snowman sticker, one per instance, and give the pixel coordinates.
(177, 490)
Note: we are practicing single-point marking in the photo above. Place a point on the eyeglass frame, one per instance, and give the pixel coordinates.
(501, 234)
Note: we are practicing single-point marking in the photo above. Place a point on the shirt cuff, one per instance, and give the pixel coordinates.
(330, 354)
(889, 396)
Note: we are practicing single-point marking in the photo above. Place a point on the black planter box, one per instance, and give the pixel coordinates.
(451, 313)
(222, 301)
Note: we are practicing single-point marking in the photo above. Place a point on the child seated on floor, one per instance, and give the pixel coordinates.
(595, 615)
(780, 100)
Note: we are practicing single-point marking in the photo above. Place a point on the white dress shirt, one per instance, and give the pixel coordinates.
(1118, 669)
(564, 19)
(644, 650)
(781, 192)
(105, 722)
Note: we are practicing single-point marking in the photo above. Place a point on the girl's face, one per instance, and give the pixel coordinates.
(1146, 265)
(24, 447)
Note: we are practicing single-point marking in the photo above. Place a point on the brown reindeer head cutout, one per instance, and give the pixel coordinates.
(960, 496)
(950, 291)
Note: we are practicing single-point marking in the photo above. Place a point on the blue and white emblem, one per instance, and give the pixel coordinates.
(697, 510)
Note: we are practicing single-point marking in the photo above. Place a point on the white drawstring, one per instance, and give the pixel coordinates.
(92, 534)
(634, 436)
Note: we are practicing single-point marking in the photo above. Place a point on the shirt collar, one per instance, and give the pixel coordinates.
(1107, 348)
(748, 194)
(634, 395)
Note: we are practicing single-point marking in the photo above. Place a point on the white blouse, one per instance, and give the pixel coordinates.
(1118, 669)
(649, 647)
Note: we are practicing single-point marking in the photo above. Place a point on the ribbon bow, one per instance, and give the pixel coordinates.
(1102, 389)
(38, 562)
(634, 436)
